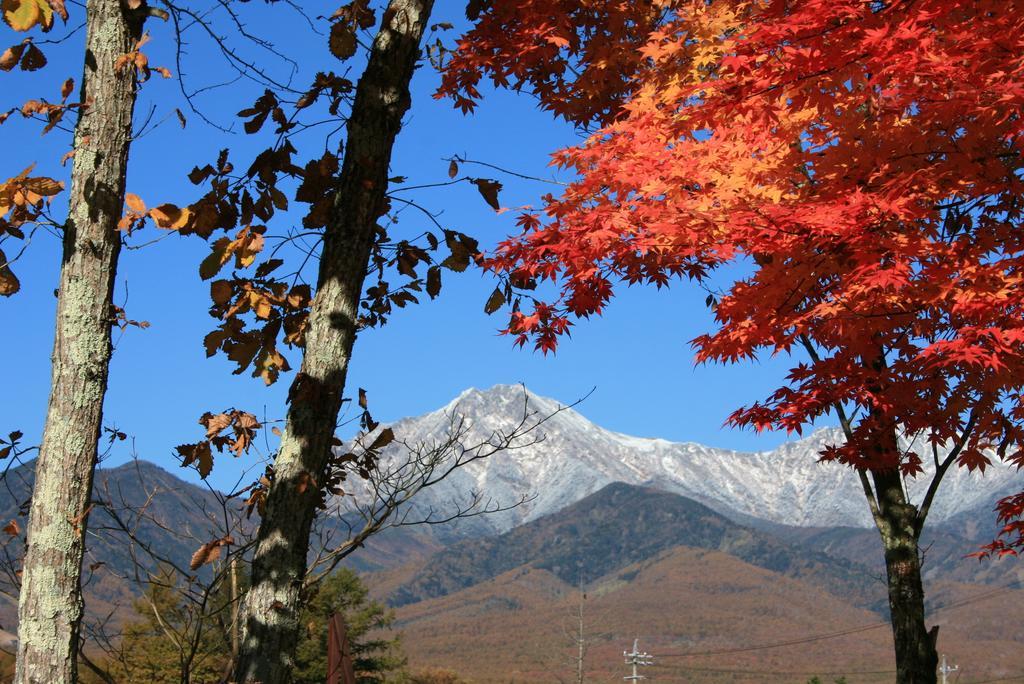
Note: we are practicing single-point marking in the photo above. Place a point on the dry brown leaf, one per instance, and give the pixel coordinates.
(135, 203)
(22, 15)
(200, 454)
(34, 59)
(9, 283)
(489, 191)
(342, 41)
(170, 216)
(220, 292)
(58, 7)
(10, 57)
(207, 553)
(215, 423)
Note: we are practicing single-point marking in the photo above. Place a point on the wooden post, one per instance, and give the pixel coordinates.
(340, 668)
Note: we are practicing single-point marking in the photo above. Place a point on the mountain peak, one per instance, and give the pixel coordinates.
(501, 396)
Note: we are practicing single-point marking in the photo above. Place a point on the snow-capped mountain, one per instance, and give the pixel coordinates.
(577, 457)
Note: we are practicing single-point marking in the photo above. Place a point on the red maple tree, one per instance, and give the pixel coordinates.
(860, 160)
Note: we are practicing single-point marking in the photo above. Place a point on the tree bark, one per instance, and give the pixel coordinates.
(50, 604)
(896, 518)
(270, 613)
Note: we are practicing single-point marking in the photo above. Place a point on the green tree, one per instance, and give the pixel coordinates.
(377, 657)
(174, 641)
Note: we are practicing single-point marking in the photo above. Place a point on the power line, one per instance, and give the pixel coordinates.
(1019, 677)
(979, 597)
(834, 635)
(779, 673)
(777, 644)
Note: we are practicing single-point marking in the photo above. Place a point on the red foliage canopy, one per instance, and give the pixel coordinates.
(864, 158)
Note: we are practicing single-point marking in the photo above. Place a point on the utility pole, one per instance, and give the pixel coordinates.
(580, 640)
(636, 659)
(945, 670)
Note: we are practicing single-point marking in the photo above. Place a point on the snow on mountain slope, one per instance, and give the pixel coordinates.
(577, 457)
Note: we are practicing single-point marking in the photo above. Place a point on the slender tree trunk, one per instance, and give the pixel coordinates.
(896, 518)
(270, 612)
(50, 604)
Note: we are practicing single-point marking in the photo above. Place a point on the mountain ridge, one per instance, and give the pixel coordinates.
(619, 525)
(577, 457)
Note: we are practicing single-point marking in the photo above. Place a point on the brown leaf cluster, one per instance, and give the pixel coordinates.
(336, 87)
(10, 444)
(24, 55)
(137, 60)
(51, 113)
(346, 21)
(233, 430)
(405, 258)
(317, 189)
(258, 493)
(121, 320)
(361, 458)
(166, 216)
(234, 201)
(23, 198)
(246, 244)
(279, 311)
(266, 105)
(258, 313)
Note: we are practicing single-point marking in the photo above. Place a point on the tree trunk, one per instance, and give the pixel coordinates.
(50, 604)
(896, 518)
(270, 613)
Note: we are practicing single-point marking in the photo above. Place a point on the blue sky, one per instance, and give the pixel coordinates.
(637, 355)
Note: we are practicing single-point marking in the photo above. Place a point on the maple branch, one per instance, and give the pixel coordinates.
(847, 426)
(941, 469)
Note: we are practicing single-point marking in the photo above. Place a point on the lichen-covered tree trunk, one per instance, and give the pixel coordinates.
(270, 612)
(50, 604)
(896, 518)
